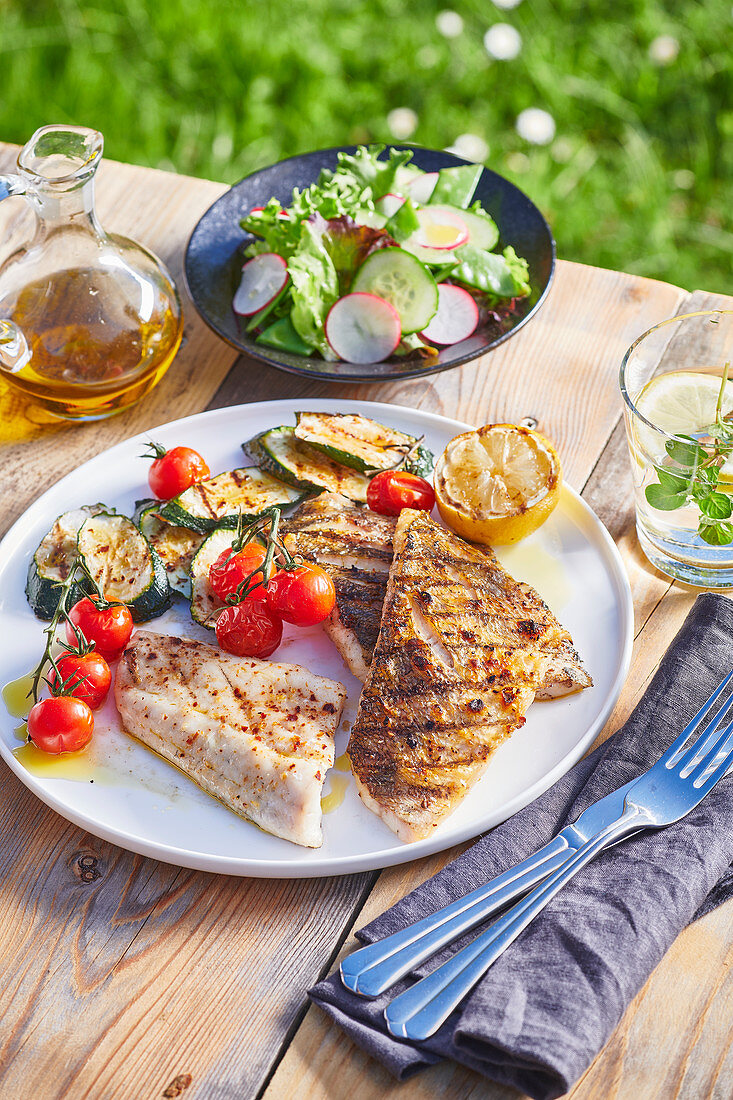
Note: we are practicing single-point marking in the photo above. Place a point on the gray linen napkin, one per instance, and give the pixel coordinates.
(539, 1017)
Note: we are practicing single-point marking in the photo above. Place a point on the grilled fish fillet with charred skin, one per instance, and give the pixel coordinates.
(454, 671)
(354, 545)
(259, 736)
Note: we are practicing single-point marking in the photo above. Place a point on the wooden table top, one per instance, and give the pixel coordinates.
(131, 979)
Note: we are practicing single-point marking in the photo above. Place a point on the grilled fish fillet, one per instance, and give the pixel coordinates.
(255, 734)
(355, 546)
(458, 661)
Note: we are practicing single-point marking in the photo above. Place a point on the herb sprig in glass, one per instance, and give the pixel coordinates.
(696, 479)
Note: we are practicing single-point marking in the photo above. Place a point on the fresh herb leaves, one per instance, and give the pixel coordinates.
(695, 477)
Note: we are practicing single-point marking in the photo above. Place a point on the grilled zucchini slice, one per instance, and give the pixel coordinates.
(175, 546)
(52, 561)
(124, 565)
(281, 453)
(362, 443)
(204, 601)
(218, 501)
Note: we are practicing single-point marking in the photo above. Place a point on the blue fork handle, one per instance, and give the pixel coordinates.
(372, 969)
(418, 1012)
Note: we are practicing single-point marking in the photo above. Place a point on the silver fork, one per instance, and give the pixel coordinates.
(372, 969)
(667, 792)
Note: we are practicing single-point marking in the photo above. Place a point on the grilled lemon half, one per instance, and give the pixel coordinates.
(497, 484)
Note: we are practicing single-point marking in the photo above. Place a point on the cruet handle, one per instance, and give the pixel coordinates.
(14, 350)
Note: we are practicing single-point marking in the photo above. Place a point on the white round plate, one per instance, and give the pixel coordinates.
(135, 799)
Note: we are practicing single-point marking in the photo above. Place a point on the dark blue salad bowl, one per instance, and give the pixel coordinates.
(214, 259)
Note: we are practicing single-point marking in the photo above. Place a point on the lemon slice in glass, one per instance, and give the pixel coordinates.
(678, 403)
(497, 484)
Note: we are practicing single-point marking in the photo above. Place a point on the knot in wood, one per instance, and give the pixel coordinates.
(530, 422)
(177, 1086)
(86, 867)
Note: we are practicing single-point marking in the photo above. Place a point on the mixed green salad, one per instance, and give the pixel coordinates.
(375, 259)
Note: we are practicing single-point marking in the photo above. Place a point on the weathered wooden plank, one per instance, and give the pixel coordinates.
(120, 973)
(159, 209)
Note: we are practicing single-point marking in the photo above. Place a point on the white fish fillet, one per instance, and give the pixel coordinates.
(257, 735)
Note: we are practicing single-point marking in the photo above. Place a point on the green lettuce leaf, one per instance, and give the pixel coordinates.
(315, 288)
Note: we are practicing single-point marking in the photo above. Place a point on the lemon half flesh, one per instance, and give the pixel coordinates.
(498, 484)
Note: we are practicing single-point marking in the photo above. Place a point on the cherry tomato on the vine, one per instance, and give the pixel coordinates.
(108, 626)
(392, 490)
(230, 570)
(303, 596)
(60, 724)
(86, 676)
(174, 471)
(249, 629)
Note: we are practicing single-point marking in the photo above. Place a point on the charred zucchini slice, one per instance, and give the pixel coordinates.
(281, 453)
(205, 604)
(362, 443)
(124, 565)
(52, 561)
(175, 546)
(219, 501)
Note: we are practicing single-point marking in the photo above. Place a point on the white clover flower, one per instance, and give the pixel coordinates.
(664, 49)
(562, 150)
(684, 179)
(402, 122)
(449, 23)
(506, 5)
(536, 126)
(470, 147)
(502, 41)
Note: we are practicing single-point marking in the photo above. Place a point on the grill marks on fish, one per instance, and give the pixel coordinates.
(452, 677)
(354, 545)
(257, 735)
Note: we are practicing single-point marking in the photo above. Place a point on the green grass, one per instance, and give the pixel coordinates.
(638, 177)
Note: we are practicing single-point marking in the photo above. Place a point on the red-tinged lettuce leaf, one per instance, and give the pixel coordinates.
(348, 244)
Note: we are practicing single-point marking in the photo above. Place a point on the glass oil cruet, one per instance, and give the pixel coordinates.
(89, 321)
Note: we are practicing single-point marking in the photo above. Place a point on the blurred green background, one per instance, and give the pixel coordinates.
(627, 146)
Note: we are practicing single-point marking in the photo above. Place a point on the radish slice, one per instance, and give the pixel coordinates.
(455, 319)
(421, 187)
(258, 210)
(389, 204)
(262, 279)
(440, 228)
(362, 328)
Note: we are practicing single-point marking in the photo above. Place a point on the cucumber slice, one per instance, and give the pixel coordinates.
(288, 458)
(124, 565)
(400, 278)
(205, 604)
(52, 561)
(219, 501)
(175, 546)
(360, 442)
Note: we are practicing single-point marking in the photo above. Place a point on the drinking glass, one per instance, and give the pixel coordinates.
(671, 380)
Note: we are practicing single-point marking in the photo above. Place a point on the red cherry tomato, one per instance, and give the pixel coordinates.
(174, 471)
(391, 490)
(229, 570)
(84, 675)
(60, 724)
(249, 629)
(303, 596)
(108, 627)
